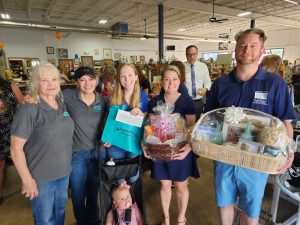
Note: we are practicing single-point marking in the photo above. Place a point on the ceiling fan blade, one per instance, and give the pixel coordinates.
(221, 20)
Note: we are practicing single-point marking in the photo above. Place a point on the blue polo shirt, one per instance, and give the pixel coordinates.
(264, 92)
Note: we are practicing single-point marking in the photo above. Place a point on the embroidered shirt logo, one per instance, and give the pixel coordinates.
(66, 114)
(261, 97)
(97, 107)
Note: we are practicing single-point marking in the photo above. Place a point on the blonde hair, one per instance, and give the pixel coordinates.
(36, 76)
(271, 63)
(117, 190)
(171, 68)
(118, 94)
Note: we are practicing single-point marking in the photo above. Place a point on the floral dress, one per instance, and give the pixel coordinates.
(8, 104)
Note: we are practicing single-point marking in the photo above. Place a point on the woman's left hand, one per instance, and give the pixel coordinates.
(183, 152)
(106, 144)
(136, 112)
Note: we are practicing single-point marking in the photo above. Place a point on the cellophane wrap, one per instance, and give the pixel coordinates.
(246, 130)
(164, 132)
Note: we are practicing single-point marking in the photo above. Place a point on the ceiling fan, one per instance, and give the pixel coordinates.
(213, 19)
(145, 35)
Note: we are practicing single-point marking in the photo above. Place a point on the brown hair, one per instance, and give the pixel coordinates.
(259, 32)
(108, 72)
(180, 65)
(191, 46)
(170, 68)
(140, 73)
(118, 95)
(271, 63)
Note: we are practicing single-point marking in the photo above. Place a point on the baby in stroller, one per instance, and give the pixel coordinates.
(123, 211)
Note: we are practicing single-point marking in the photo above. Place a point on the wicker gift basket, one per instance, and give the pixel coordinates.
(163, 152)
(165, 134)
(242, 137)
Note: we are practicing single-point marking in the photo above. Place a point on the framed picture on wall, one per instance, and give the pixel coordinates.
(142, 58)
(97, 62)
(66, 65)
(62, 53)
(77, 61)
(52, 61)
(117, 55)
(223, 46)
(96, 51)
(50, 50)
(107, 53)
(87, 61)
(133, 58)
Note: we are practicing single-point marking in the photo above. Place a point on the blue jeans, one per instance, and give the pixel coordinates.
(115, 152)
(48, 208)
(84, 181)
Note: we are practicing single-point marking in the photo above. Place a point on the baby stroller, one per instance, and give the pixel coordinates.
(123, 168)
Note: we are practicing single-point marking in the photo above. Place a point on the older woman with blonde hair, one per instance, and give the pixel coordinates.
(41, 147)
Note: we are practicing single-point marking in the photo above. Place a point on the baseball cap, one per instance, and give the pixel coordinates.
(84, 70)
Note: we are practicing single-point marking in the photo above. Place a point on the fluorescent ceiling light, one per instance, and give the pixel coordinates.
(181, 29)
(290, 1)
(13, 23)
(5, 16)
(214, 40)
(104, 21)
(244, 14)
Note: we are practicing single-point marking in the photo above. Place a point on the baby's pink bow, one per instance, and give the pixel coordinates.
(123, 184)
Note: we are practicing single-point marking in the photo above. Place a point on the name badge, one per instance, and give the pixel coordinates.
(97, 107)
(66, 114)
(261, 97)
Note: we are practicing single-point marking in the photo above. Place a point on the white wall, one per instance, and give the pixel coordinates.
(32, 43)
(288, 39)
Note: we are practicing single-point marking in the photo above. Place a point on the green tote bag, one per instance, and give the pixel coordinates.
(120, 134)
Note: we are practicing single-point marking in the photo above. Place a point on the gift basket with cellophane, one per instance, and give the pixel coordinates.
(165, 134)
(243, 137)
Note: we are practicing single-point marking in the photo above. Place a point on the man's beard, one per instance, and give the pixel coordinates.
(248, 61)
(245, 61)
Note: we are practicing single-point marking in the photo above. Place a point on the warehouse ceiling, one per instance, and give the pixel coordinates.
(183, 19)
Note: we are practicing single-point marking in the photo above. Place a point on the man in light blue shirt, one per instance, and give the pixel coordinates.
(197, 78)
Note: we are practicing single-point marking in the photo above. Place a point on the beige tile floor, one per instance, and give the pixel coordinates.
(202, 210)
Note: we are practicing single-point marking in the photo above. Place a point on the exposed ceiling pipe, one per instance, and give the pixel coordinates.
(103, 31)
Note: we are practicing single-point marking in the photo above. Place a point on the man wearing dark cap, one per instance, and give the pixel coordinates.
(86, 108)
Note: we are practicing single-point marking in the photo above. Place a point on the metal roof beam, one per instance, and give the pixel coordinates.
(4, 5)
(28, 8)
(194, 6)
(51, 7)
